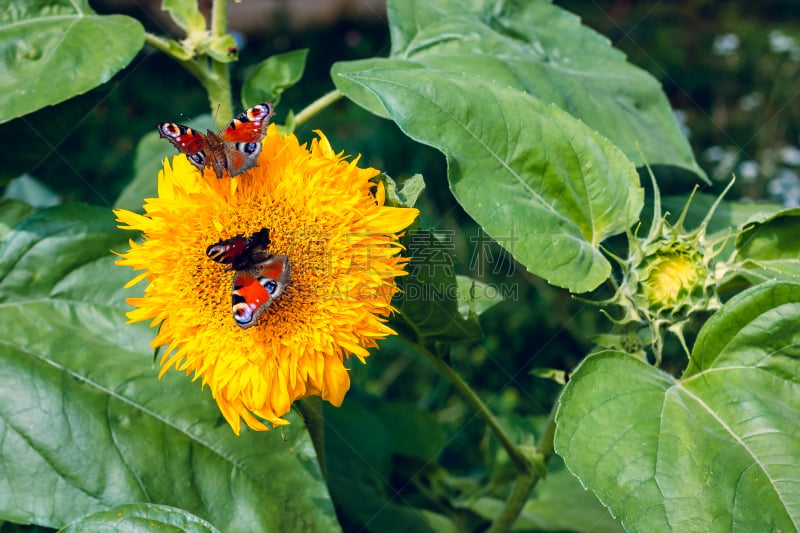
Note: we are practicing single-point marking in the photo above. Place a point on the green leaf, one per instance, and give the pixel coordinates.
(140, 518)
(525, 168)
(148, 162)
(55, 50)
(698, 453)
(186, 14)
(543, 50)
(11, 212)
(30, 190)
(475, 297)
(404, 196)
(553, 505)
(358, 93)
(271, 77)
(555, 500)
(427, 303)
(83, 415)
(770, 249)
(222, 48)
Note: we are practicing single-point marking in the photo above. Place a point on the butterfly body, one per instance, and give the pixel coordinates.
(260, 277)
(235, 149)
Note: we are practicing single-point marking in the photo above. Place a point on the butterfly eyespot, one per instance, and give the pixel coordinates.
(198, 158)
(249, 148)
(242, 313)
(270, 284)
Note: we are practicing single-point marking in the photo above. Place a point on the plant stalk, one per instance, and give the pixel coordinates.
(527, 476)
(525, 481)
(316, 106)
(311, 409)
(218, 84)
(520, 461)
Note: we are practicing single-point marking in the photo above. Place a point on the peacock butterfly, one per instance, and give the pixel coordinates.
(260, 277)
(235, 149)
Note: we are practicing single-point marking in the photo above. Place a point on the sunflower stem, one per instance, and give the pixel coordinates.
(527, 475)
(526, 481)
(516, 500)
(213, 75)
(519, 460)
(311, 409)
(219, 18)
(218, 83)
(316, 106)
(218, 86)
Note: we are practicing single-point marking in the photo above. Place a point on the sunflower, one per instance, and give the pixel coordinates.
(323, 213)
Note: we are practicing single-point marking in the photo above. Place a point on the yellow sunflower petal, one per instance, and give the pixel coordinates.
(342, 244)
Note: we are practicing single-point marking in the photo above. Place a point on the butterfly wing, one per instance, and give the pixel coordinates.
(240, 252)
(249, 126)
(228, 250)
(186, 140)
(275, 274)
(242, 138)
(256, 288)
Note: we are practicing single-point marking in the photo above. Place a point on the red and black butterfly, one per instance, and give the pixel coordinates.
(234, 149)
(260, 277)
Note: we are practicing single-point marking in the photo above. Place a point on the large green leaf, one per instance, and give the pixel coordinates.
(770, 249)
(53, 50)
(540, 49)
(148, 162)
(267, 81)
(538, 181)
(713, 451)
(11, 212)
(86, 425)
(140, 518)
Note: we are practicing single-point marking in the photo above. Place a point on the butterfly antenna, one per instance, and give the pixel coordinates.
(216, 114)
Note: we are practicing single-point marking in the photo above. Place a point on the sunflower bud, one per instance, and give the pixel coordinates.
(671, 279)
(669, 276)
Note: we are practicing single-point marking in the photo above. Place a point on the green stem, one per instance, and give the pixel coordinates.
(316, 106)
(218, 83)
(520, 461)
(218, 86)
(516, 501)
(219, 18)
(527, 476)
(525, 481)
(168, 47)
(160, 43)
(311, 409)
